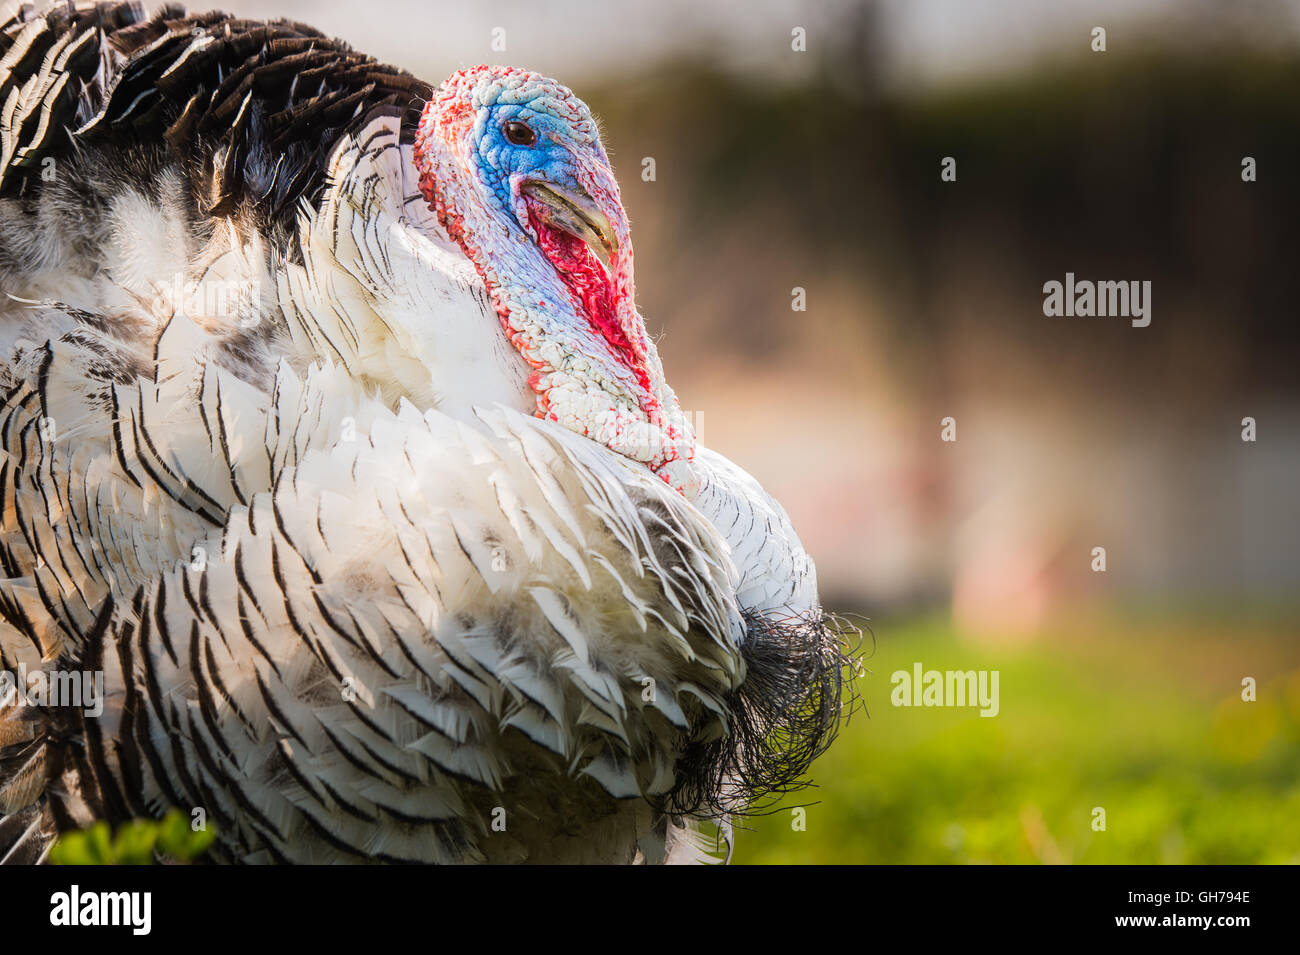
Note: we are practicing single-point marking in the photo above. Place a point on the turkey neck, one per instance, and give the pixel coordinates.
(574, 322)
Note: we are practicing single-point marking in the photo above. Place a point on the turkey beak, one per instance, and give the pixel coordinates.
(577, 214)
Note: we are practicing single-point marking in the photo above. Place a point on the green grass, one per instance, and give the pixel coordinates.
(1140, 715)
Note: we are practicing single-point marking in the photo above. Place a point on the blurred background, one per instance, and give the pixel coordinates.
(776, 168)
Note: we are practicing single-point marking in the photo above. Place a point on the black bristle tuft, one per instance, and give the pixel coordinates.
(797, 693)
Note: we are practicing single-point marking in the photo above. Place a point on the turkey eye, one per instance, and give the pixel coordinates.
(520, 134)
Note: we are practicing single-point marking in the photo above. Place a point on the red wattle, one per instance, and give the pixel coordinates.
(594, 290)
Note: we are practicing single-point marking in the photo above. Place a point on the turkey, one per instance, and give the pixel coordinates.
(333, 445)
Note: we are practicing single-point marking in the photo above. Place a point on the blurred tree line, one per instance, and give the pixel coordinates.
(1123, 165)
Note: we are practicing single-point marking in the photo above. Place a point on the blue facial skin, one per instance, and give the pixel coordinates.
(550, 159)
